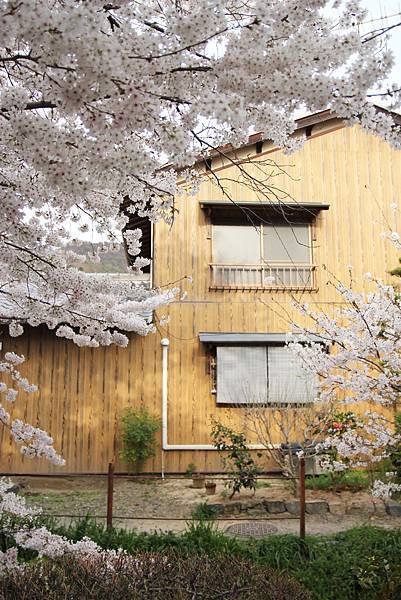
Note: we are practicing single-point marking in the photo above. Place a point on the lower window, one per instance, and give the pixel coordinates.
(261, 375)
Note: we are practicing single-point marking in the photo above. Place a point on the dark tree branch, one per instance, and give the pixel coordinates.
(378, 32)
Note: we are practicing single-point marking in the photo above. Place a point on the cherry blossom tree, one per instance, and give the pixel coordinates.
(359, 363)
(95, 95)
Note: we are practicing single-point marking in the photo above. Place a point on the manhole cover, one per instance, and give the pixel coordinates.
(255, 529)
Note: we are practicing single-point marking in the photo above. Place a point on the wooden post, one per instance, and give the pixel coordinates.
(302, 505)
(110, 489)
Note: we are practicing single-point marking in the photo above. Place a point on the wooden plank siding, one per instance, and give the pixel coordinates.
(83, 391)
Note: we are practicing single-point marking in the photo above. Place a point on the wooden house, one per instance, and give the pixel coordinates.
(263, 228)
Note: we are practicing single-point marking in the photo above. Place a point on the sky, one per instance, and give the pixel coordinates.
(384, 13)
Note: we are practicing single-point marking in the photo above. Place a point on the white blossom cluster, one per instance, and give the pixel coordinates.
(382, 489)
(362, 446)
(93, 96)
(18, 521)
(360, 359)
(133, 240)
(333, 466)
(364, 343)
(34, 441)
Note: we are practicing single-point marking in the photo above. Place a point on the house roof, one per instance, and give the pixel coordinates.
(301, 123)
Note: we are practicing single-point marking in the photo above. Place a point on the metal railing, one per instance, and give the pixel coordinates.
(263, 276)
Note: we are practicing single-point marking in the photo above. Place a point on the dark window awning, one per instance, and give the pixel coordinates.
(267, 212)
(244, 339)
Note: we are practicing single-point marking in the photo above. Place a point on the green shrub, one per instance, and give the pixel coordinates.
(150, 577)
(191, 469)
(237, 460)
(360, 564)
(204, 511)
(138, 433)
(352, 480)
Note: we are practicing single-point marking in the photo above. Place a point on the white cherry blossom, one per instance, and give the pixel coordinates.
(94, 96)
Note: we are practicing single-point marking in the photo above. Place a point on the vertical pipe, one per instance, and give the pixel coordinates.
(165, 344)
(110, 489)
(302, 504)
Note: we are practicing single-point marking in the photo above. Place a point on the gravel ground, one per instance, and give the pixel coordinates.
(151, 504)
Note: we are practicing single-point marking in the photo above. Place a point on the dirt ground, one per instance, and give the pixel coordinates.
(151, 504)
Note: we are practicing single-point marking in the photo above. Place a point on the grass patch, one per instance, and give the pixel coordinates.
(76, 501)
(351, 480)
(262, 484)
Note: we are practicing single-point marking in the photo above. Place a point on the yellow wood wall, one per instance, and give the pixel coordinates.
(84, 391)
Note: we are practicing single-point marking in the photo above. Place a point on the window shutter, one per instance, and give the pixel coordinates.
(288, 381)
(241, 374)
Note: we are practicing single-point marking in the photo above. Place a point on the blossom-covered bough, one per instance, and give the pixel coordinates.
(360, 361)
(34, 442)
(94, 96)
(21, 522)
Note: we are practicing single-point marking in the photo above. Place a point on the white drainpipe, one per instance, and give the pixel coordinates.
(165, 445)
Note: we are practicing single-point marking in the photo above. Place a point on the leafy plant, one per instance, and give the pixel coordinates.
(340, 423)
(139, 428)
(204, 511)
(237, 459)
(191, 469)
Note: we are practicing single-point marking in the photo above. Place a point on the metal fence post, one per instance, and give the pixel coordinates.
(302, 505)
(110, 489)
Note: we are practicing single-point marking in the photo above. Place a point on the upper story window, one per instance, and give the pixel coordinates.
(246, 244)
(277, 255)
(262, 245)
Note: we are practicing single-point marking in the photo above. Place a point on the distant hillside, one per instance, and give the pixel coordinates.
(110, 262)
